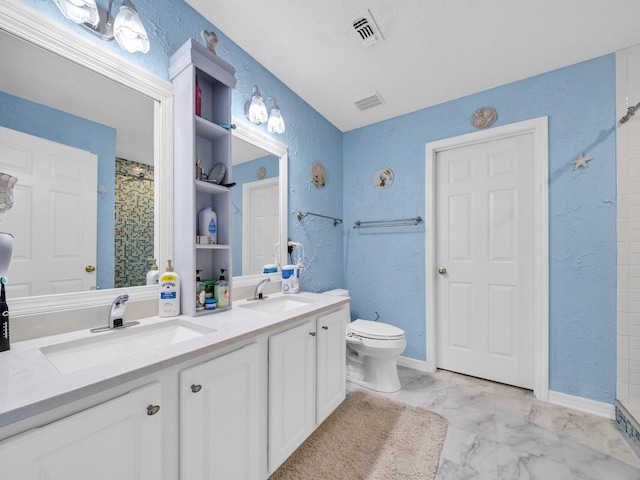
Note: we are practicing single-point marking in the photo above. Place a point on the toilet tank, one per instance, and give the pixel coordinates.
(338, 292)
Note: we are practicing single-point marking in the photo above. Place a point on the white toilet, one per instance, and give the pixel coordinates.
(372, 352)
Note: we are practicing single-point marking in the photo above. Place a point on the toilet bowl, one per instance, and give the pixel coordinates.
(372, 352)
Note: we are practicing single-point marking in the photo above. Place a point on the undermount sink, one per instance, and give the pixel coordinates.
(276, 305)
(116, 344)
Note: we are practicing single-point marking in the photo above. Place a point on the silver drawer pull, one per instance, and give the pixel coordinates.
(196, 388)
(313, 334)
(324, 327)
(153, 409)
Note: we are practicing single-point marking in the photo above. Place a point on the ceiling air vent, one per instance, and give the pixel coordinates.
(367, 29)
(369, 102)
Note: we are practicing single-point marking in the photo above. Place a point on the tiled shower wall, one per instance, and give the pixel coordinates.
(628, 231)
(134, 223)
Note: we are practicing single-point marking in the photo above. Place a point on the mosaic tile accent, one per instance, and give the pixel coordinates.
(133, 223)
(629, 426)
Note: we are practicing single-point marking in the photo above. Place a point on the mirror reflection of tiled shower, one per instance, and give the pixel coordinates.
(133, 223)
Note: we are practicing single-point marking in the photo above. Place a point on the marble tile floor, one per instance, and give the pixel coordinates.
(500, 432)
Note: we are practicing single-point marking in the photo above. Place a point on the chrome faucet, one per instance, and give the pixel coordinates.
(257, 295)
(116, 316)
(116, 313)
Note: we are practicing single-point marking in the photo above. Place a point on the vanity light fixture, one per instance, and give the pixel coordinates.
(256, 112)
(126, 28)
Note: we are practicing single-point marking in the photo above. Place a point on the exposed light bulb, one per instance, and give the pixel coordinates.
(276, 123)
(79, 11)
(129, 31)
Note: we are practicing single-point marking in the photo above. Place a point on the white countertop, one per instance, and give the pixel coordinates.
(30, 384)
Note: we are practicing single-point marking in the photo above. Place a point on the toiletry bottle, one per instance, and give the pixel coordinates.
(209, 286)
(198, 170)
(208, 224)
(221, 291)
(201, 294)
(152, 275)
(198, 98)
(169, 293)
(4, 319)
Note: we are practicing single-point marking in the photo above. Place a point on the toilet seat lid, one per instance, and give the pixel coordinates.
(375, 330)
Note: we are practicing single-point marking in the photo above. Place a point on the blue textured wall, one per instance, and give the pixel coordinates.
(384, 271)
(48, 123)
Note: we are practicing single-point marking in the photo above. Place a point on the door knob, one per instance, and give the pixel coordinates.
(153, 409)
(90, 268)
(442, 270)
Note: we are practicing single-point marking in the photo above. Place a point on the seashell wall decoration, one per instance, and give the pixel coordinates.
(484, 117)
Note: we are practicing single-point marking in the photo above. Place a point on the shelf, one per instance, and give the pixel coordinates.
(204, 246)
(200, 138)
(201, 313)
(212, 188)
(210, 131)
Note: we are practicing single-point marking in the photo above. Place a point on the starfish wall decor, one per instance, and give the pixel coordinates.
(581, 161)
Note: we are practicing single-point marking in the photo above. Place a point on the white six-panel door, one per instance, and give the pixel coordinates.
(484, 255)
(260, 224)
(54, 216)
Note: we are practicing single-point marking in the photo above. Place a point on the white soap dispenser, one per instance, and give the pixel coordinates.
(169, 305)
(153, 274)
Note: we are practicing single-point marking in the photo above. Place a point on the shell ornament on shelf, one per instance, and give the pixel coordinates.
(210, 40)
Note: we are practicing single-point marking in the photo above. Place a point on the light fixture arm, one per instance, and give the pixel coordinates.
(104, 28)
(275, 104)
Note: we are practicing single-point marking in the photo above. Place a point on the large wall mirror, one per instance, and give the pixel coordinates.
(259, 203)
(66, 101)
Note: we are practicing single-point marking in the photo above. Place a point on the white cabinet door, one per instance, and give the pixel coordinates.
(118, 439)
(331, 373)
(292, 390)
(220, 434)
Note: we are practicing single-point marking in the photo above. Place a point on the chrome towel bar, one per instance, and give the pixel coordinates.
(336, 221)
(404, 222)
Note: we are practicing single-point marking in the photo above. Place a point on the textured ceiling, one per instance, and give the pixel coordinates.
(433, 51)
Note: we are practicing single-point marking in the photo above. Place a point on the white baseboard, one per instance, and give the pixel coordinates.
(412, 363)
(582, 404)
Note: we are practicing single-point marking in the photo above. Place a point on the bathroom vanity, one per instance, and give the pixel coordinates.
(225, 396)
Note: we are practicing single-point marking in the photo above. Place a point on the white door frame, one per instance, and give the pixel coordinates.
(539, 128)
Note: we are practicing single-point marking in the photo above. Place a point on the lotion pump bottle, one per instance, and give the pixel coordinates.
(169, 293)
(221, 291)
(152, 275)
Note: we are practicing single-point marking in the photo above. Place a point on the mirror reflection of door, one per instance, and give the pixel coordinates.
(53, 219)
(256, 217)
(260, 225)
(49, 96)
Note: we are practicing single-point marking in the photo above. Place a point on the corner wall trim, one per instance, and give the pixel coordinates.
(412, 363)
(582, 404)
